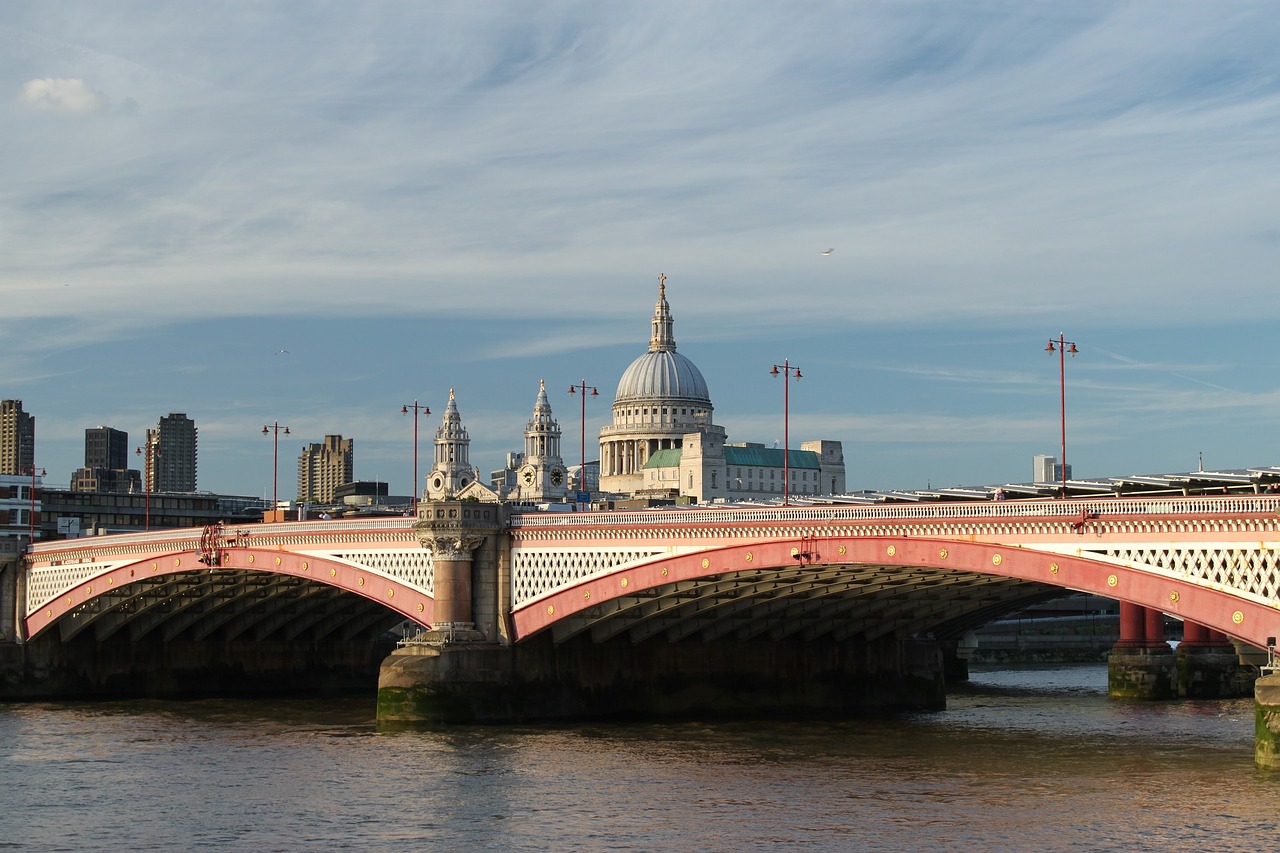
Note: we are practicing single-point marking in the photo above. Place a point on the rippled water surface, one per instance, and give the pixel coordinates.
(1022, 760)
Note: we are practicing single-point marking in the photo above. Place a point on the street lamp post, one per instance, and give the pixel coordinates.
(1063, 347)
(31, 514)
(787, 369)
(147, 463)
(404, 410)
(275, 462)
(583, 387)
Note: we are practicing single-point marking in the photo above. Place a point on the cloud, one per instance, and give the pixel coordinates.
(62, 96)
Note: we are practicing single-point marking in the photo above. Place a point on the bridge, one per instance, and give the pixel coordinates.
(676, 574)
(764, 607)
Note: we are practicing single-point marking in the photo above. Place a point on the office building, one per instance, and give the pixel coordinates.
(324, 467)
(106, 447)
(171, 448)
(17, 438)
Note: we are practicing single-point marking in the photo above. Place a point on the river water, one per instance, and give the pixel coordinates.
(1030, 759)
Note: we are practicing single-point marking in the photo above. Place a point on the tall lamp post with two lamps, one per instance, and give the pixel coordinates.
(1062, 348)
(31, 513)
(404, 410)
(582, 387)
(148, 464)
(275, 427)
(787, 369)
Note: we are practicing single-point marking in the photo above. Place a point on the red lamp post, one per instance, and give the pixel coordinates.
(31, 514)
(1063, 347)
(148, 462)
(787, 369)
(583, 387)
(404, 410)
(275, 462)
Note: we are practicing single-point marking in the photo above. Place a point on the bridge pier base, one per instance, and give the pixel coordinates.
(1266, 728)
(538, 680)
(1142, 673)
(1209, 666)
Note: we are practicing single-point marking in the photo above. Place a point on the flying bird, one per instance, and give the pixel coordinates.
(282, 352)
(829, 252)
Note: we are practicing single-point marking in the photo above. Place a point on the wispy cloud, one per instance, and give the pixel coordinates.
(1098, 166)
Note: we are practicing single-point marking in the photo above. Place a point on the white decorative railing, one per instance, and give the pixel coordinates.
(966, 510)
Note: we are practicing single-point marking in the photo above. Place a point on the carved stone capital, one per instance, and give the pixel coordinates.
(451, 547)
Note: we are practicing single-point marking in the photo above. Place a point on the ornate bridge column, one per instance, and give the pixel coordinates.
(454, 532)
(462, 669)
(452, 561)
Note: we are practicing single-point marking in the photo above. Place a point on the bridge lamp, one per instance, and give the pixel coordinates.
(1062, 349)
(787, 370)
(275, 462)
(148, 463)
(582, 388)
(31, 514)
(404, 410)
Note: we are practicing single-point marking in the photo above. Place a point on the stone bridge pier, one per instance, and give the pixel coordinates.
(468, 668)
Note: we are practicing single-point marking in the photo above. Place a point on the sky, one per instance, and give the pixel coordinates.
(313, 214)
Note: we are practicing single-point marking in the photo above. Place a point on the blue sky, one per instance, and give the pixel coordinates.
(413, 197)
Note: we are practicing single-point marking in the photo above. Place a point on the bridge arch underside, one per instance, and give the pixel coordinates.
(301, 598)
(863, 588)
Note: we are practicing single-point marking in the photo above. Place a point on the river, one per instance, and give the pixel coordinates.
(1025, 759)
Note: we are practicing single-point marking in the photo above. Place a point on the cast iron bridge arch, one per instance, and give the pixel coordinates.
(689, 574)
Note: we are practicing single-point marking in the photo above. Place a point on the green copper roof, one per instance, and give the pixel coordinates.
(747, 457)
(664, 459)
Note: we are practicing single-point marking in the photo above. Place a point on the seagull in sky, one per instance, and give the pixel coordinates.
(828, 252)
(282, 352)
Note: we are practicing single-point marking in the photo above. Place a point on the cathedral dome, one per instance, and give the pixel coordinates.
(662, 373)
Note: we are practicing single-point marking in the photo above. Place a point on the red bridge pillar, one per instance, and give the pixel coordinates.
(1141, 664)
(1209, 666)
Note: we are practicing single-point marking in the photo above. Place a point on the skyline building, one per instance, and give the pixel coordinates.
(17, 438)
(323, 467)
(106, 463)
(106, 447)
(1046, 469)
(172, 448)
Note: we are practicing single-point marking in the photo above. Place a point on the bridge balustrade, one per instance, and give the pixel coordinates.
(1010, 509)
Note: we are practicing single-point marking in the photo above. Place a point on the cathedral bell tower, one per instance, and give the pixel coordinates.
(541, 476)
(451, 471)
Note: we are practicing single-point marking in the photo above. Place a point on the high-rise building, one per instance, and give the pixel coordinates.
(324, 467)
(1045, 469)
(17, 438)
(172, 450)
(106, 447)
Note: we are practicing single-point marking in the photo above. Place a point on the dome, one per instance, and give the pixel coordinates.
(662, 375)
